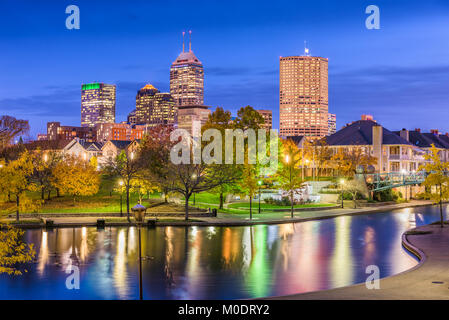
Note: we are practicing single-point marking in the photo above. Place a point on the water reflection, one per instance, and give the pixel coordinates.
(217, 262)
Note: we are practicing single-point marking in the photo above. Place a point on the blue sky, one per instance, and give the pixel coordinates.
(399, 73)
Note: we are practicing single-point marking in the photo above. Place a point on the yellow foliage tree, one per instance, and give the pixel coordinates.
(142, 185)
(346, 161)
(437, 176)
(76, 177)
(248, 184)
(13, 251)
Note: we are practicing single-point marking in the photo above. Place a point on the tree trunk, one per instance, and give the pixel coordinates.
(49, 195)
(57, 193)
(354, 198)
(291, 203)
(250, 208)
(17, 207)
(441, 207)
(127, 202)
(186, 207)
(42, 193)
(221, 201)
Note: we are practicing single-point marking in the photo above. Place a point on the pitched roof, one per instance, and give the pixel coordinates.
(295, 139)
(360, 133)
(121, 144)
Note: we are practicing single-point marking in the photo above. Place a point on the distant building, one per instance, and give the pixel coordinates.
(57, 132)
(332, 123)
(268, 117)
(119, 131)
(132, 119)
(303, 96)
(97, 104)
(153, 107)
(187, 78)
(82, 149)
(112, 149)
(192, 118)
(42, 137)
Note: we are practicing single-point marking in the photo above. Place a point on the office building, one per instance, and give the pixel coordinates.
(97, 104)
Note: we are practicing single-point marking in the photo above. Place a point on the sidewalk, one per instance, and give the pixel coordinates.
(228, 219)
(429, 280)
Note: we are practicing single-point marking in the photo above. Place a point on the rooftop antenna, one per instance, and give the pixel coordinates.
(306, 50)
(183, 45)
(190, 40)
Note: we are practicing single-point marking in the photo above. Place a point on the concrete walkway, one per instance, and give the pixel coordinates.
(228, 219)
(429, 280)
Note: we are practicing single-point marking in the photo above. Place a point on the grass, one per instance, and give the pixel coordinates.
(273, 206)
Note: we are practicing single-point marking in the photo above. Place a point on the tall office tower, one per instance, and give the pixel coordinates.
(187, 78)
(303, 96)
(332, 123)
(153, 107)
(268, 117)
(192, 118)
(97, 104)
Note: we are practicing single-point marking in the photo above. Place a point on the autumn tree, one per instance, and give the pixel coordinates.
(44, 163)
(143, 185)
(17, 179)
(354, 187)
(76, 177)
(437, 176)
(346, 160)
(126, 167)
(289, 173)
(13, 250)
(248, 184)
(10, 128)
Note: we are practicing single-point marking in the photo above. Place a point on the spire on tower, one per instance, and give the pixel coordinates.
(190, 40)
(183, 45)
(306, 50)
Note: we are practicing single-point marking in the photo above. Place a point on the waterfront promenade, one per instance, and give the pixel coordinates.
(428, 280)
(227, 219)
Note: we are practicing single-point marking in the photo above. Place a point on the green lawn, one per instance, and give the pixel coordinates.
(255, 204)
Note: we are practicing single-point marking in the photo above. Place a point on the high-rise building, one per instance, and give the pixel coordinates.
(187, 78)
(332, 123)
(97, 104)
(303, 96)
(268, 117)
(192, 118)
(153, 107)
(132, 119)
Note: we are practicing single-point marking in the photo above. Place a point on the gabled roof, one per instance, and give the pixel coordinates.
(296, 139)
(360, 133)
(444, 137)
(425, 140)
(120, 144)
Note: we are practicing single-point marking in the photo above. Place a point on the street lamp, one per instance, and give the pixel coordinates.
(121, 197)
(139, 214)
(342, 182)
(259, 183)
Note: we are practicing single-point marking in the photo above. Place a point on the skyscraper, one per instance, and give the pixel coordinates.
(187, 78)
(332, 123)
(153, 107)
(268, 117)
(97, 104)
(303, 96)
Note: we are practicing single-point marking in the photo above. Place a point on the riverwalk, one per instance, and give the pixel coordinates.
(429, 280)
(228, 219)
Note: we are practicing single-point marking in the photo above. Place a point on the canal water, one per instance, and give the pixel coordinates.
(217, 262)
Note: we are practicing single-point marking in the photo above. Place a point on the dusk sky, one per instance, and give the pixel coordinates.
(399, 74)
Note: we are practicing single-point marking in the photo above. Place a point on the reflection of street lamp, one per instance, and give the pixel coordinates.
(259, 183)
(121, 192)
(139, 215)
(342, 182)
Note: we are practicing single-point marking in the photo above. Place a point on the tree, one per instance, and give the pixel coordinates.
(126, 167)
(289, 173)
(142, 185)
(75, 177)
(354, 187)
(18, 177)
(346, 161)
(44, 163)
(13, 251)
(248, 118)
(10, 128)
(248, 184)
(437, 176)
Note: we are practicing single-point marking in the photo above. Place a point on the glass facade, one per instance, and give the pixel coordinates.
(97, 104)
(154, 108)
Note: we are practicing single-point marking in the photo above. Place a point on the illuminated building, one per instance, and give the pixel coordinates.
(97, 104)
(303, 96)
(187, 78)
(192, 118)
(132, 119)
(153, 107)
(268, 117)
(119, 131)
(332, 123)
(57, 132)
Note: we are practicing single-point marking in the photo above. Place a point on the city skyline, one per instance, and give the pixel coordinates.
(390, 73)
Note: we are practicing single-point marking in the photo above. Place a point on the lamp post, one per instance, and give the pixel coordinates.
(121, 198)
(342, 182)
(287, 160)
(259, 183)
(139, 215)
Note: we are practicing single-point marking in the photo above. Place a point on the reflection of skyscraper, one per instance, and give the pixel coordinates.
(187, 78)
(97, 104)
(303, 96)
(154, 107)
